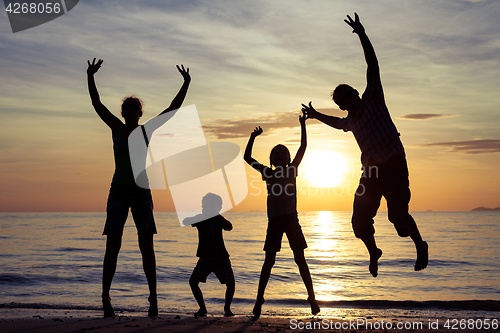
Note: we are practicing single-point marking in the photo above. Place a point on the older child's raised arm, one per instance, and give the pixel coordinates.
(248, 150)
(303, 141)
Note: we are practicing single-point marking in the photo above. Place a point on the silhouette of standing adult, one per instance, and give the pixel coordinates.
(124, 193)
(382, 155)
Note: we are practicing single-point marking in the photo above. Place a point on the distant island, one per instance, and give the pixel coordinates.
(484, 209)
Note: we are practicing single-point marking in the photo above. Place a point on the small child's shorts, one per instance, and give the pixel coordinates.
(221, 268)
(277, 226)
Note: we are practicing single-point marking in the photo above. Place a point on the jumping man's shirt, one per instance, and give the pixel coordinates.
(372, 126)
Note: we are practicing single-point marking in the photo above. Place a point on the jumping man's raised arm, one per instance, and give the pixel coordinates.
(111, 120)
(179, 98)
(369, 51)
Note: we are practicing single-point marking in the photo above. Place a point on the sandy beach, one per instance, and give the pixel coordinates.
(63, 321)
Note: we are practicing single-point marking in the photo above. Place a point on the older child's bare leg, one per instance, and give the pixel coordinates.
(230, 286)
(149, 266)
(198, 295)
(300, 260)
(264, 278)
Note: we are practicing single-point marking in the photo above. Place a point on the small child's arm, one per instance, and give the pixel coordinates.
(192, 220)
(225, 224)
(248, 150)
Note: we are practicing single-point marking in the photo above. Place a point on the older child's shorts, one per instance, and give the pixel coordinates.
(221, 268)
(277, 226)
(141, 205)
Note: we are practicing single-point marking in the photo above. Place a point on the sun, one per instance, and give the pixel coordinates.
(324, 168)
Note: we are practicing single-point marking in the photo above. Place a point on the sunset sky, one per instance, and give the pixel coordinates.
(252, 64)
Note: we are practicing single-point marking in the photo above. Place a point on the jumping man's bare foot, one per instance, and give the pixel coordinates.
(422, 256)
(106, 306)
(374, 262)
(314, 305)
(257, 308)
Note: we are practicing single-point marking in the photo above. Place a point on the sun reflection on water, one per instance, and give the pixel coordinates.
(326, 250)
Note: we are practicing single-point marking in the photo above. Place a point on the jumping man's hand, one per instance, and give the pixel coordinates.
(355, 25)
(309, 112)
(94, 67)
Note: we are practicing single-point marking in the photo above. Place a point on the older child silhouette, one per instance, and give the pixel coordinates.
(282, 212)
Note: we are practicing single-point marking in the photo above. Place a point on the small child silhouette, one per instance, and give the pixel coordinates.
(282, 212)
(213, 255)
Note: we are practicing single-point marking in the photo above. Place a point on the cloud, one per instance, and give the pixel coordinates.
(425, 116)
(468, 147)
(244, 106)
(242, 127)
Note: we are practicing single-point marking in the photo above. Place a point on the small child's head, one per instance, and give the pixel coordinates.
(132, 107)
(211, 204)
(280, 156)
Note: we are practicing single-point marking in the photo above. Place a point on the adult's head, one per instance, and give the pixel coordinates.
(132, 108)
(346, 97)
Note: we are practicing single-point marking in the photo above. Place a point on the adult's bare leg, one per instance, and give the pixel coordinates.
(113, 245)
(149, 266)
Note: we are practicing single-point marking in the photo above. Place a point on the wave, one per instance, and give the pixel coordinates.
(469, 305)
(71, 249)
(33, 280)
(473, 305)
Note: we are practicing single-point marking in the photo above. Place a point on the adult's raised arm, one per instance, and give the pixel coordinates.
(102, 111)
(181, 95)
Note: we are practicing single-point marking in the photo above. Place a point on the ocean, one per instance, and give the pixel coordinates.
(54, 260)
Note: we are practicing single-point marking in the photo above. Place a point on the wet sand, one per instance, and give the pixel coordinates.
(63, 321)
